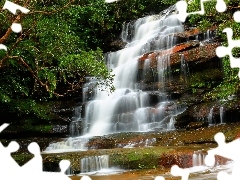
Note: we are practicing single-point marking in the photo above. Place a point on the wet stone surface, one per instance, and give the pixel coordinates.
(134, 150)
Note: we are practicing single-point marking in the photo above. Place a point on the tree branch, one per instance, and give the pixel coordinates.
(33, 74)
(51, 12)
(8, 32)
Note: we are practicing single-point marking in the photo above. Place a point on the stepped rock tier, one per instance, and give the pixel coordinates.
(161, 77)
(151, 72)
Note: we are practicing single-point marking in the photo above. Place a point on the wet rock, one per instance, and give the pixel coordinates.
(213, 112)
(125, 104)
(75, 128)
(117, 45)
(183, 119)
(196, 125)
(63, 112)
(101, 143)
(194, 54)
(231, 110)
(182, 159)
(56, 129)
(180, 47)
(127, 125)
(51, 167)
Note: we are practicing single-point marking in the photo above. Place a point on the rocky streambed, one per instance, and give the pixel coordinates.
(151, 152)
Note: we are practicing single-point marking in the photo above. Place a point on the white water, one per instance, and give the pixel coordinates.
(210, 116)
(68, 145)
(221, 115)
(184, 70)
(94, 163)
(198, 158)
(128, 108)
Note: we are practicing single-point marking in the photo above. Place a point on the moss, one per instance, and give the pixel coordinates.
(26, 115)
(205, 79)
(138, 158)
(22, 159)
(170, 147)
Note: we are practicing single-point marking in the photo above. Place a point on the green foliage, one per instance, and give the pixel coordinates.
(212, 19)
(50, 36)
(86, 63)
(12, 84)
(230, 84)
(91, 21)
(140, 158)
(205, 79)
(169, 2)
(25, 115)
(63, 41)
(47, 58)
(55, 31)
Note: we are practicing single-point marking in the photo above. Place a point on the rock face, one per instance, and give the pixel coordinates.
(161, 77)
(149, 149)
(200, 58)
(203, 67)
(62, 115)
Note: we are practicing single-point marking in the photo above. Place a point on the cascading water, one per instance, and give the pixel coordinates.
(198, 158)
(221, 115)
(94, 163)
(184, 70)
(210, 116)
(140, 101)
(75, 125)
(129, 107)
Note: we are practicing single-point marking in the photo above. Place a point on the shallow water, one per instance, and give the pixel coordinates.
(133, 175)
(197, 173)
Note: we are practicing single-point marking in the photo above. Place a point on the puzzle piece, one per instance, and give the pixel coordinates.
(9, 168)
(3, 126)
(182, 8)
(12, 7)
(86, 178)
(159, 178)
(16, 27)
(236, 16)
(33, 169)
(223, 176)
(222, 51)
(177, 171)
(9, 165)
(35, 164)
(110, 1)
(228, 150)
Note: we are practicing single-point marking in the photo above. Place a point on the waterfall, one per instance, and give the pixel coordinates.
(170, 125)
(69, 144)
(206, 36)
(76, 125)
(210, 116)
(198, 158)
(221, 115)
(144, 85)
(94, 163)
(129, 107)
(184, 69)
